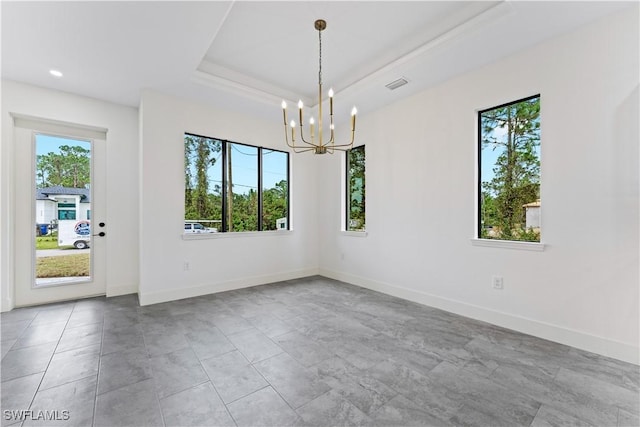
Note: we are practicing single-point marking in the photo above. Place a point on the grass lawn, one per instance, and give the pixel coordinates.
(63, 266)
(47, 242)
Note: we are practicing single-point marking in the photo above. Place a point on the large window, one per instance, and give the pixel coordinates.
(234, 187)
(509, 171)
(355, 215)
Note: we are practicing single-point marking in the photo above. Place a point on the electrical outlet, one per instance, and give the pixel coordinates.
(185, 266)
(498, 282)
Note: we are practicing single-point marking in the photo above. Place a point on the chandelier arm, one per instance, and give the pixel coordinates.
(309, 146)
(341, 145)
(286, 136)
(297, 147)
(301, 150)
(304, 140)
(302, 131)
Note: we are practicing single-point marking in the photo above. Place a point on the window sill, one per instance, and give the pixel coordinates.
(509, 244)
(354, 233)
(235, 235)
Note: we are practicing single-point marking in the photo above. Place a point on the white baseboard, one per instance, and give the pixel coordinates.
(114, 291)
(148, 298)
(581, 340)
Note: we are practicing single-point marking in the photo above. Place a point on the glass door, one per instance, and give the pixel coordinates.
(62, 210)
(60, 246)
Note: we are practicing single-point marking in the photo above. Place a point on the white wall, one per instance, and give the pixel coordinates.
(45, 211)
(223, 261)
(122, 178)
(582, 290)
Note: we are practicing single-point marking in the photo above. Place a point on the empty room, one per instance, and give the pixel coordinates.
(320, 213)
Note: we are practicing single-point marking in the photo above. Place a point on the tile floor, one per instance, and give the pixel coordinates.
(309, 352)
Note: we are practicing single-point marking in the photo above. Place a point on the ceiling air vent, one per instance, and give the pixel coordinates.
(397, 83)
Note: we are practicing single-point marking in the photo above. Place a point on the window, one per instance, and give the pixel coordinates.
(66, 214)
(235, 187)
(509, 171)
(355, 215)
(275, 190)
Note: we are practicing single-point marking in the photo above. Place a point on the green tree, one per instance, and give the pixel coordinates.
(199, 155)
(71, 167)
(514, 130)
(245, 211)
(274, 205)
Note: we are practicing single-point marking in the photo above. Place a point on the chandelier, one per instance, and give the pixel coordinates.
(313, 143)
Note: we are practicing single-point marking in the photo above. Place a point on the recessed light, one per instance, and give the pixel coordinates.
(55, 73)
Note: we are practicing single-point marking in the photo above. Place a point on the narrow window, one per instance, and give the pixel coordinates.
(275, 190)
(355, 215)
(509, 171)
(232, 187)
(242, 187)
(203, 181)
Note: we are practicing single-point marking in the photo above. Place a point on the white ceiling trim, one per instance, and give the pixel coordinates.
(465, 28)
(222, 78)
(237, 88)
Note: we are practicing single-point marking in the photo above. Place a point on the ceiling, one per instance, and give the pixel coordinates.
(248, 56)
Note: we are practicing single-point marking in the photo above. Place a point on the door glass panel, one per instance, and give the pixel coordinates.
(62, 210)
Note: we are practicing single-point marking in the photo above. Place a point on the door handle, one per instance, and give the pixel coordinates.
(101, 234)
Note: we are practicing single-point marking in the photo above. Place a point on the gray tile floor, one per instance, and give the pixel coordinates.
(309, 352)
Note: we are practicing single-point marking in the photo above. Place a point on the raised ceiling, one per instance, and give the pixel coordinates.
(247, 56)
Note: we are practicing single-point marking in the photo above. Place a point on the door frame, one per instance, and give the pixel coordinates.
(26, 128)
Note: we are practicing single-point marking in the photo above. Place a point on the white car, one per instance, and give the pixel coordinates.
(196, 227)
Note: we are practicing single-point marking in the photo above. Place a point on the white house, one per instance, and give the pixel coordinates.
(532, 214)
(60, 203)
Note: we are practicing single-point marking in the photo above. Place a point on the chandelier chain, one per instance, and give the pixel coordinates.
(320, 58)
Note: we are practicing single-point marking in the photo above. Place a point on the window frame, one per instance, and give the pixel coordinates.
(347, 187)
(478, 240)
(260, 196)
(225, 147)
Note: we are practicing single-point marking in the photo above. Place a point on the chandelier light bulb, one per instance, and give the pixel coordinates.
(354, 111)
(293, 123)
(300, 105)
(331, 93)
(284, 105)
(311, 121)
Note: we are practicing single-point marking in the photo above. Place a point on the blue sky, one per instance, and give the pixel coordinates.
(46, 144)
(489, 155)
(245, 168)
